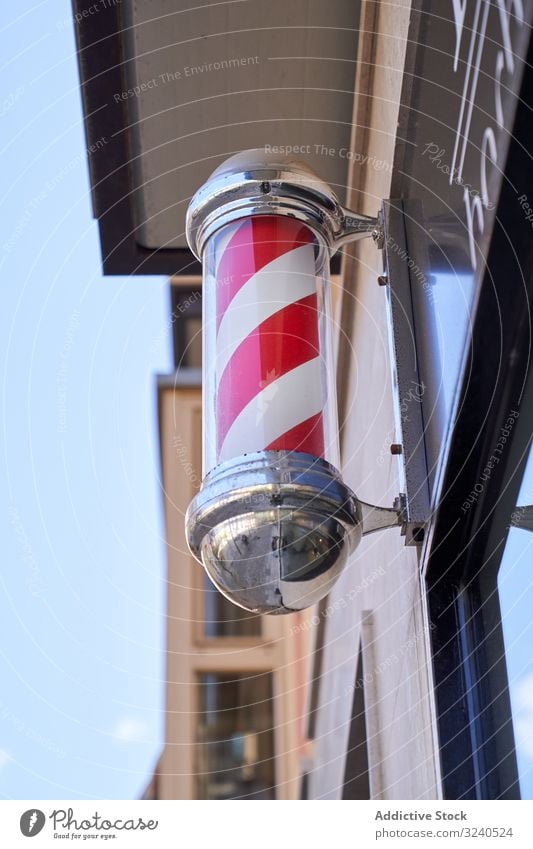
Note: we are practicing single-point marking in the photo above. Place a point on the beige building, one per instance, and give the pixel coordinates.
(236, 682)
(404, 683)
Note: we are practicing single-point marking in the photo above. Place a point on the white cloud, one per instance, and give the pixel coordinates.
(5, 757)
(129, 729)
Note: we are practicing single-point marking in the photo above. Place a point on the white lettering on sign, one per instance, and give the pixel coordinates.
(459, 11)
(508, 11)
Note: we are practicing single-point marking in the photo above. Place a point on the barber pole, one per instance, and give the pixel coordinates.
(269, 392)
(273, 522)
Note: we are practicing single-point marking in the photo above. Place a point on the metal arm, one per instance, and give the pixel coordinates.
(357, 226)
(380, 518)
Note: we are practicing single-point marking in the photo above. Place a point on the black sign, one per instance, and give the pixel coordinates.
(464, 67)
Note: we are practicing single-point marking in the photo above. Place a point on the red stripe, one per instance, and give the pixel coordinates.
(256, 242)
(308, 437)
(278, 345)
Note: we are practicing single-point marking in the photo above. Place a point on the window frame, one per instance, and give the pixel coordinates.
(234, 674)
(474, 718)
(223, 642)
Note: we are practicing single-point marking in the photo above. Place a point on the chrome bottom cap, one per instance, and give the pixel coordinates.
(274, 529)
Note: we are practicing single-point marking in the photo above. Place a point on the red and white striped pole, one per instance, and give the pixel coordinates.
(273, 522)
(270, 392)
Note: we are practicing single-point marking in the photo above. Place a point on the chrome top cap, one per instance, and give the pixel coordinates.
(258, 182)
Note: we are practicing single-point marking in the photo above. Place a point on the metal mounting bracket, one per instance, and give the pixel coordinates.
(355, 226)
(400, 277)
(379, 518)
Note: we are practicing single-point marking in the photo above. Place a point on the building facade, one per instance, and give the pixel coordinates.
(235, 682)
(413, 678)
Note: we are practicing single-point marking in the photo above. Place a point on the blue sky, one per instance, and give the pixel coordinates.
(82, 579)
(515, 586)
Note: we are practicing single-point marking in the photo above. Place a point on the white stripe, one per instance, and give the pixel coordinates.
(283, 404)
(283, 281)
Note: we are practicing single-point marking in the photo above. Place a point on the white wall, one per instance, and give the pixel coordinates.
(381, 584)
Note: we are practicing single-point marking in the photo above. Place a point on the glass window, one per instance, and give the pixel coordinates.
(222, 618)
(186, 318)
(451, 300)
(515, 585)
(235, 739)
(443, 327)
(193, 342)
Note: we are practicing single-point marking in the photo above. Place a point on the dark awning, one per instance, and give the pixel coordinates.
(170, 91)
